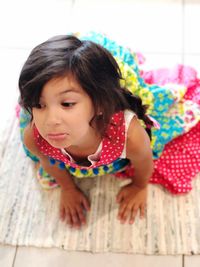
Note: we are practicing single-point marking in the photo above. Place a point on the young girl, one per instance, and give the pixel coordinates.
(79, 119)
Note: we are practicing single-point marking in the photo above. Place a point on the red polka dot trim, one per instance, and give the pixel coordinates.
(179, 163)
(112, 144)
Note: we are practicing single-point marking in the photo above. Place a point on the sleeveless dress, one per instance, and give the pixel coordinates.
(173, 97)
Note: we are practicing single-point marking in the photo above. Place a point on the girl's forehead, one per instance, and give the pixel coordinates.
(64, 84)
(66, 80)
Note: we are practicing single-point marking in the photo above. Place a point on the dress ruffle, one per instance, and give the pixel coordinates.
(180, 160)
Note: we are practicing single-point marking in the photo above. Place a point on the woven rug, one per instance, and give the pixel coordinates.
(29, 214)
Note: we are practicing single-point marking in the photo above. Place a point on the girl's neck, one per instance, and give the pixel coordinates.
(89, 147)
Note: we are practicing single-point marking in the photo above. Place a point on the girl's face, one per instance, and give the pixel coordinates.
(64, 112)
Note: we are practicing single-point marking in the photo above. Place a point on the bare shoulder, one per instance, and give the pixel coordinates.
(29, 141)
(138, 142)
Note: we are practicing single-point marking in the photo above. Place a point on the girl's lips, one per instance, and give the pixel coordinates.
(57, 137)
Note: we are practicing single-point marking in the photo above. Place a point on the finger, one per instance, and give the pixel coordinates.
(119, 197)
(68, 217)
(121, 210)
(133, 214)
(126, 214)
(81, 215)
(62, 213)
(75, 219)
(86, 204)
(142, 211)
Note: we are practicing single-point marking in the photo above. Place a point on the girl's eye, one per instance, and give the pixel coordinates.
(67, 104)
(39, 106)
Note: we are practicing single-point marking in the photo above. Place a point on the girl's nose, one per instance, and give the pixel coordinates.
(52, 117)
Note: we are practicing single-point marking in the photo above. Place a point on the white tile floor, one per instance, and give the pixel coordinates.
(166, 31)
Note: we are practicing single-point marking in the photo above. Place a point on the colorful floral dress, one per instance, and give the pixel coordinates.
(174, 102)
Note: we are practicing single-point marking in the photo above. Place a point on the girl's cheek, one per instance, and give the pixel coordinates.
(38, 120)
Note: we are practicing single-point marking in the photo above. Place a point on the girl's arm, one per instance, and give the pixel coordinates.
(132, 198)
(139, 152)
(73, 203)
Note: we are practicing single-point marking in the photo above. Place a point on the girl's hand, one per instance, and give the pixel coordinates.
(73, 206)
(131, 199)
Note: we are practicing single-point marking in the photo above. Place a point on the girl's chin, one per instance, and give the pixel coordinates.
(59, 145)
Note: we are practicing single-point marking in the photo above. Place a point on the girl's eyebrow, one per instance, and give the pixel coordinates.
(64, 92)
(68, 91)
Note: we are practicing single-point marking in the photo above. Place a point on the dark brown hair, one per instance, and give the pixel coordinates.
(93, 67)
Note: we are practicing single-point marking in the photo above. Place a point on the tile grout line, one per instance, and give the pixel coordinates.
(73, 3)
(15, 256)
(183, 260)
(72, 6)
